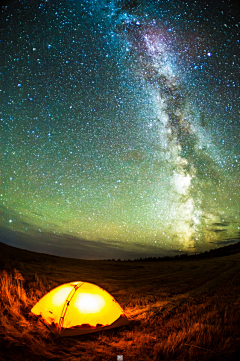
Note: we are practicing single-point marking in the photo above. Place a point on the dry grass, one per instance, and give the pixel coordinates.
(179, 310)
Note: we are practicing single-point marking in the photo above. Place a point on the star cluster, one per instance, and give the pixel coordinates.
(120, 125)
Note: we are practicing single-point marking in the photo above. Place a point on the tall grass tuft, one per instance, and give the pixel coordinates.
(17, 328)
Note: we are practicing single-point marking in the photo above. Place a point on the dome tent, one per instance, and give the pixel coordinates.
(78, 308)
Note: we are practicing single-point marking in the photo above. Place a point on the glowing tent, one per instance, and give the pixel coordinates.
(77, 308)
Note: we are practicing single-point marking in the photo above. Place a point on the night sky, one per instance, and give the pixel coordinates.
(120, 126)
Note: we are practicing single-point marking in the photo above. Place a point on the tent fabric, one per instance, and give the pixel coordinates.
(77, 308)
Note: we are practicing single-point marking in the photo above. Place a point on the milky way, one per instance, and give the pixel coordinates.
(120, 124)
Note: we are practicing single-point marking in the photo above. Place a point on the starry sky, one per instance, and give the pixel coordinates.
(120, 126)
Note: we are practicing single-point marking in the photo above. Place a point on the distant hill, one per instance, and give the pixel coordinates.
(10, 253)
(218, 252)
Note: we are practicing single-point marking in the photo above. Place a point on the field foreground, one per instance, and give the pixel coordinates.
(179, 309)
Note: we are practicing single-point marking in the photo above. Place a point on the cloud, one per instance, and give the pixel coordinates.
(221, 224)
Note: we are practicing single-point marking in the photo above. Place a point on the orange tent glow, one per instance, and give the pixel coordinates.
(78, 308)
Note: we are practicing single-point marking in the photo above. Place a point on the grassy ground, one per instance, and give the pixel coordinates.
(179, 309)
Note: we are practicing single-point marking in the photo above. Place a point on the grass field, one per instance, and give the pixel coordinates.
(178, 309)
